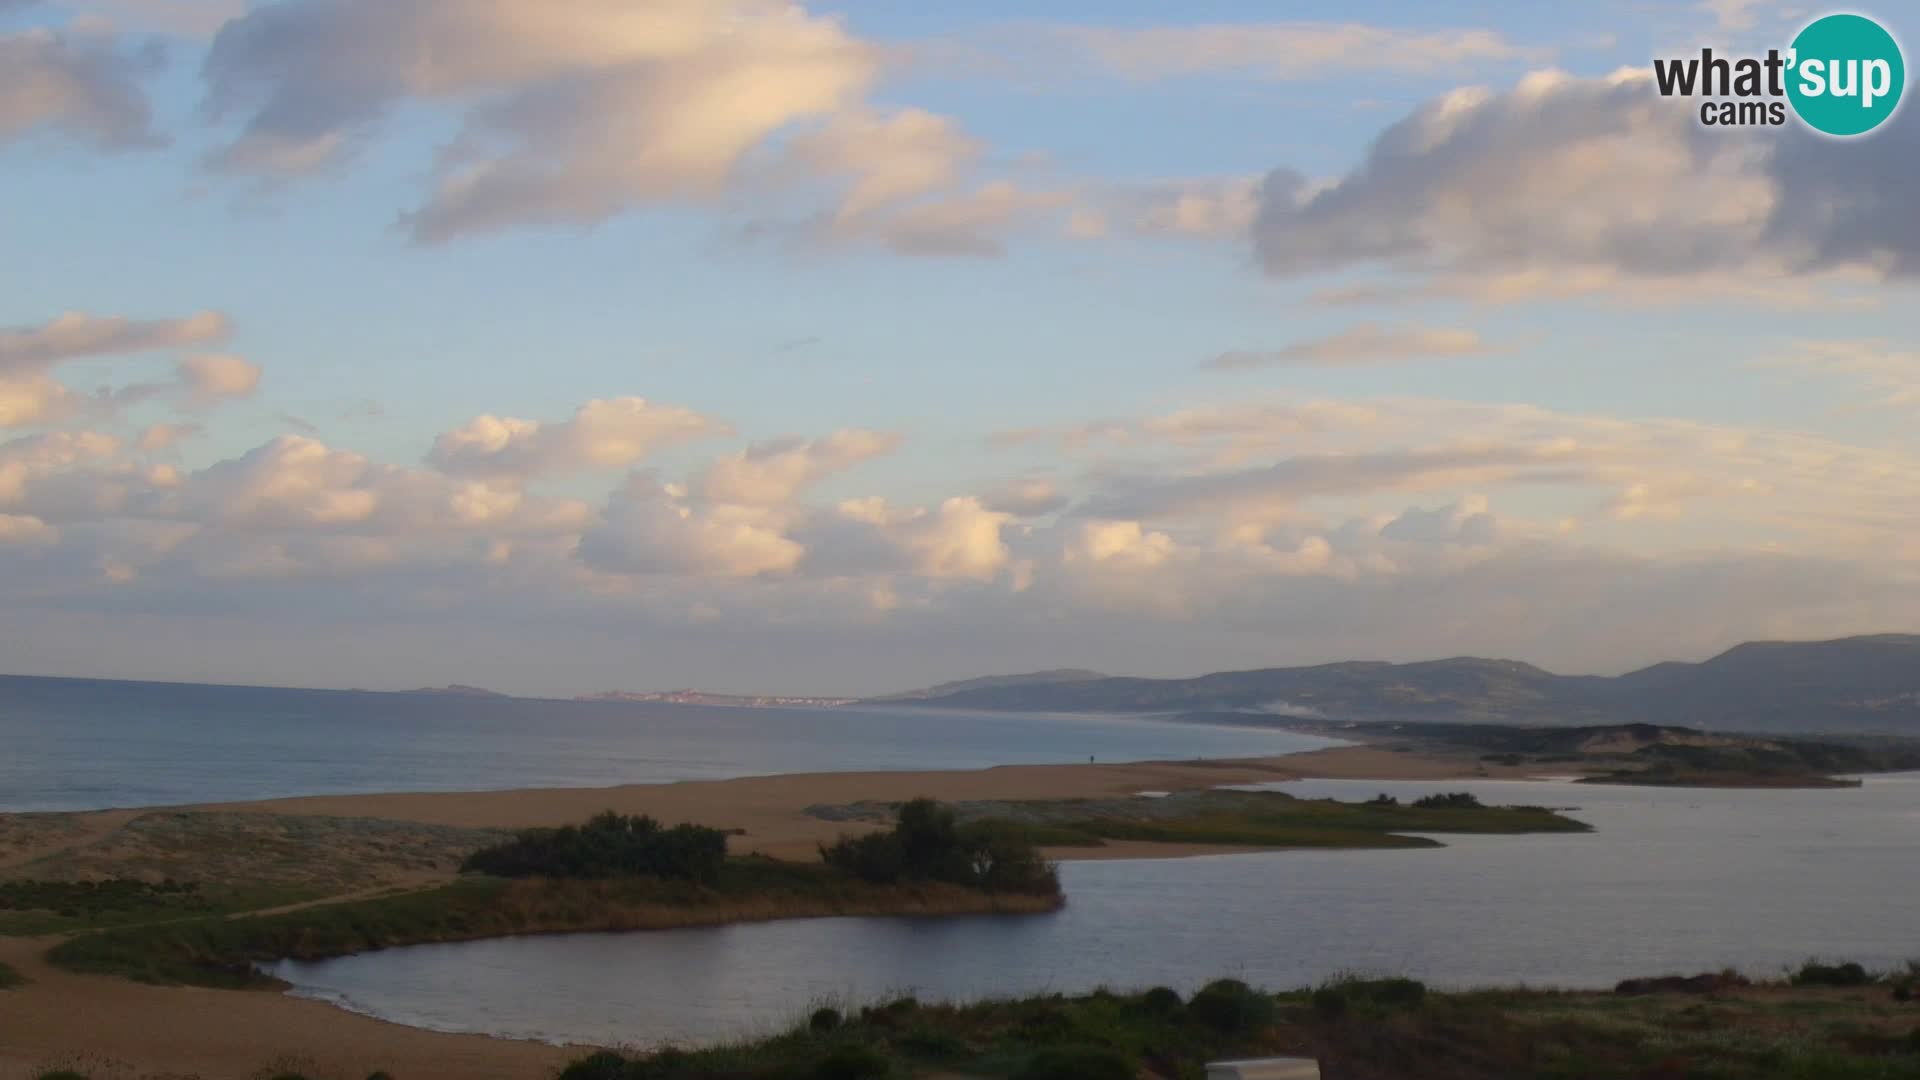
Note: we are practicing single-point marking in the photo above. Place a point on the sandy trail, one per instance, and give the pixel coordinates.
(121, 1030)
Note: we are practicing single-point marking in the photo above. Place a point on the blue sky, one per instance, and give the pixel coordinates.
(899, 320)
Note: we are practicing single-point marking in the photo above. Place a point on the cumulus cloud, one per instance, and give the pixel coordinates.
(1564, 182)
(609, 433)
(653, 528)
(773, 473)
(83, 86)
(1368, 343)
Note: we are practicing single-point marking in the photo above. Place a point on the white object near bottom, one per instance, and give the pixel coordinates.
(1287, 1068)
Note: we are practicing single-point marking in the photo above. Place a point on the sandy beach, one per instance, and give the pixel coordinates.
(119, 1029)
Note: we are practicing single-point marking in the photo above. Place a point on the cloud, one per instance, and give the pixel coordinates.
(30, 395)
(195, 18)
(1291, 51)
(1027, 498)
(1369, 343)
(652, 528)
(78, 335)
(571, 111)
(1887, 376)
(212, 376)
(1596, 180)
(610, 433)
(80, 86)
(167, 436)
(773, 473)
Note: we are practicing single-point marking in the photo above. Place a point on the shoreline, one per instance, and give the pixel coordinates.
(172, 1030)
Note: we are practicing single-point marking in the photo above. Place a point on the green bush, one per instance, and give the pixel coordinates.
(1459, 800)
(851, 1062)
(605, 1065)
(610, 845)
(1330, 1002)
(1162, 1001)
(928, 844)
(927, 1041)
(1384, 994)
(1814, 973)
(1078, 1063)
(823, 1020)
(1231, 1007)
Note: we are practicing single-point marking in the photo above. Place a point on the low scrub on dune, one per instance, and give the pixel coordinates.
(608, 846)
(683, 885)
(927, 843)
(1357, 1028)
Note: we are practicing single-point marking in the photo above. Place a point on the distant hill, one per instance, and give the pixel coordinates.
(1861, 685)
(995, 682)
(457, 690)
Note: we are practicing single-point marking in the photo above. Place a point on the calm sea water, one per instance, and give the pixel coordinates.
(1672, 880)
(85, 745)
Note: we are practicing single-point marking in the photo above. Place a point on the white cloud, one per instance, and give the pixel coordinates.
(773, 473)
(1597, 180)
(78, 335)
(1368, 343)
(213, 376)
(651, 528)
(609, 433)
(79, 85)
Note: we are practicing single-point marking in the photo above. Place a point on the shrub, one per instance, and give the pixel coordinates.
(927, 844)
(1330, 1002)
(823, 1020)
(610, 845)
(380, 1075)
(851, 1062)
(1814, 973)
(1231, 1007)
(1077, 1063)
(1162, 1001)
(605, 1065)
(1383, 799)
(1459, 800)
(927, 1041)
(61, 1074)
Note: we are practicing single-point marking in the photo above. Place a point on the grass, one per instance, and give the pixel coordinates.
(1247, 818)
(10, 978)
(222, 952)
(44, 908)
(1361, 1029)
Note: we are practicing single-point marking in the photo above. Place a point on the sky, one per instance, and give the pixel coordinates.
(561, 346)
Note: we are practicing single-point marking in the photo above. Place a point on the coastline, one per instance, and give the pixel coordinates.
(58, 1017)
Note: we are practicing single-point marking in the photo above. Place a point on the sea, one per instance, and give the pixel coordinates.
(78, 744)
(1670, 880)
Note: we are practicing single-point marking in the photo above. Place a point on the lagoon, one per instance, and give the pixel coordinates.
(1671, 880)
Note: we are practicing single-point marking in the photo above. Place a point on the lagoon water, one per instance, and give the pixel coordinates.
(87, 745)
(1672, 881)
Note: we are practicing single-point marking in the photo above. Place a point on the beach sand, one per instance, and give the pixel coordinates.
(119, 1030)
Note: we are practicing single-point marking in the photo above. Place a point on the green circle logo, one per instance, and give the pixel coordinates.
(1847, 74)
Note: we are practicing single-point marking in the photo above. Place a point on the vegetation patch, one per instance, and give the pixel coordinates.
(225, 952)
(10, 978)
(1383, 1029)
(928, 844)
(1269, 819)
(609, 846)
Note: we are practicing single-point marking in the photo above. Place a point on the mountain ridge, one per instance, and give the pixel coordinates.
(1869, 684)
